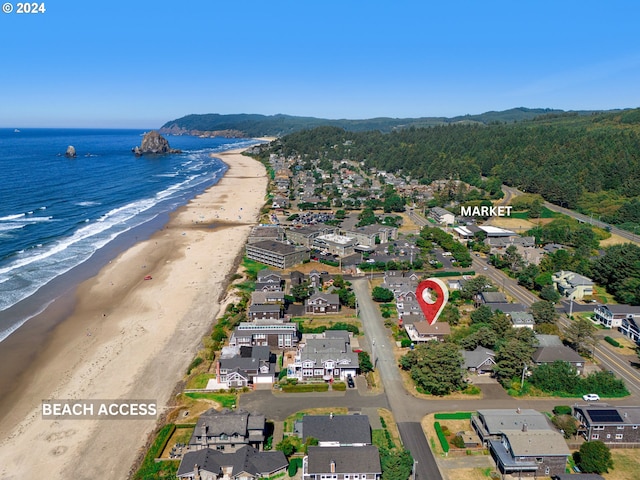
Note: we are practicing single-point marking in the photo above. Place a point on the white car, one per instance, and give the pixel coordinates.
(591, 397)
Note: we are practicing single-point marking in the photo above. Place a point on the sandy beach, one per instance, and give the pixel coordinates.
(131, 338)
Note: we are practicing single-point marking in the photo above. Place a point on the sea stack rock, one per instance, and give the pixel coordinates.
(71, 152)
(154, 144)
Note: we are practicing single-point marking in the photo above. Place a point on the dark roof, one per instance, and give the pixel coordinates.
(276, 247)
(229, 422)
(246, 459)
(347, 460)
(554, 353)
(344, 429)
(493, 297)
(578, 476)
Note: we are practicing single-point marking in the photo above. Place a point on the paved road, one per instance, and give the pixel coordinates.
(510, 191)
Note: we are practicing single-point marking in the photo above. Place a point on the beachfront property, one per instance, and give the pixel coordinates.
(265, 312)
(267, 297)
(276, 254)
(274, 335)
(322, 303)
(228, 430)
(342, 463)
(240, 367)
(335, 430)
(617, 427)
(612, 315)
(326, 356)
(260, 233)
(572, 285)
(247, 463)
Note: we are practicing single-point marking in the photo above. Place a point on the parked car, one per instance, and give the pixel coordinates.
(350, 381)
(591, 397)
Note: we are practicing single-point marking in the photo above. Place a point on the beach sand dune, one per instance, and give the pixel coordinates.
(131, 338)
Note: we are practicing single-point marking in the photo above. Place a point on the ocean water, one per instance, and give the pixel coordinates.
(55, 212)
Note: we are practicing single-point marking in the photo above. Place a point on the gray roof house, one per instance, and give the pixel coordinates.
(615, 426)
(572, 285)
(492, 297)
(480, 360)
(326, 356)
(490, 423)
(247, 463)
(228, 430)
(335, 430)
(555, 353)
(342, 463)
(321, 303)
(243, 366)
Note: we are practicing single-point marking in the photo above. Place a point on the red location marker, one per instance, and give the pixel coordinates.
(432, 295)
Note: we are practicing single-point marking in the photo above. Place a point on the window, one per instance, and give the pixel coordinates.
(595, 436)
(619, 436)
(608, 435)
(635, 427)
(547, 470)
(620, 427)
(538, 459)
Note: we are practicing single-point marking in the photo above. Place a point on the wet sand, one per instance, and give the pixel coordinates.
(129, 338)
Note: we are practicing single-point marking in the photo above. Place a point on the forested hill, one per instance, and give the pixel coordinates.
(590, 163)
(253, 125)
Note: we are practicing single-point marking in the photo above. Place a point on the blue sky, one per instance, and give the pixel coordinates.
(141, 63)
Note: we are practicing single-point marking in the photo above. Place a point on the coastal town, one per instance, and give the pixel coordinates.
(322, 363)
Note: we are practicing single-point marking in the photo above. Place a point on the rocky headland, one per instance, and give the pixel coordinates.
(154, 144)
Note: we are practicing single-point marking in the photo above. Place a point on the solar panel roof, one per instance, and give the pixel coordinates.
(605, 416)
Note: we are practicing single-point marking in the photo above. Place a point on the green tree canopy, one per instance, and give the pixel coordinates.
(594, 457)
(436, 367)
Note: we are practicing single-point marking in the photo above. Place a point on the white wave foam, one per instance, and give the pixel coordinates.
(9, 218)
(8, 331)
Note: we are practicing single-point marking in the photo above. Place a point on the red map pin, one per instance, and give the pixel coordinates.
(432, 295)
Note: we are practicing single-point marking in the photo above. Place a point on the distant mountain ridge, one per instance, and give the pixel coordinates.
(256, 125)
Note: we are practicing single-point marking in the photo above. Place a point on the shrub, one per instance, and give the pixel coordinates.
(611, 341)
(458, 441)
(196, 361)
(405, 342)
(441, 436)
(562, 410)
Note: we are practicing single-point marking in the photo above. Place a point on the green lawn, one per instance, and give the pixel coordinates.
(227, 400)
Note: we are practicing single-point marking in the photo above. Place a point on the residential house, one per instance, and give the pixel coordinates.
(265, 312)
(572, 285)
(612, 315)
(442, 216)
(615, 426)
(630, 328)
(247, 463)
(296, 278)
(551, 349)
(275, 335)
(240, 367)
(267, 297)
(488, 298)
(481, 360)
(421, 332)
(530, 453)
(409, 310)
(521, 320)
(335, 430)
(322, 303)
(327, 356)
(268, 280)
(342, 463)
(489, 424)
(228, 430)
(276, 254)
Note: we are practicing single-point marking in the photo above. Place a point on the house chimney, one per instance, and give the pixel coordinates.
(524, 427)
(518, 410)
(332, 466)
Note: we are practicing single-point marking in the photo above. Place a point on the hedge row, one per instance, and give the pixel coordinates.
(453, 416)
(306, 387)
(443, 440)
(611, 341)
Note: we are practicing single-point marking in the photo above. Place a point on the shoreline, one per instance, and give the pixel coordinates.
(131, 338)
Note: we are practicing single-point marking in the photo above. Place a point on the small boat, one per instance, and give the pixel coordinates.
(16, 131)
(148, 277)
